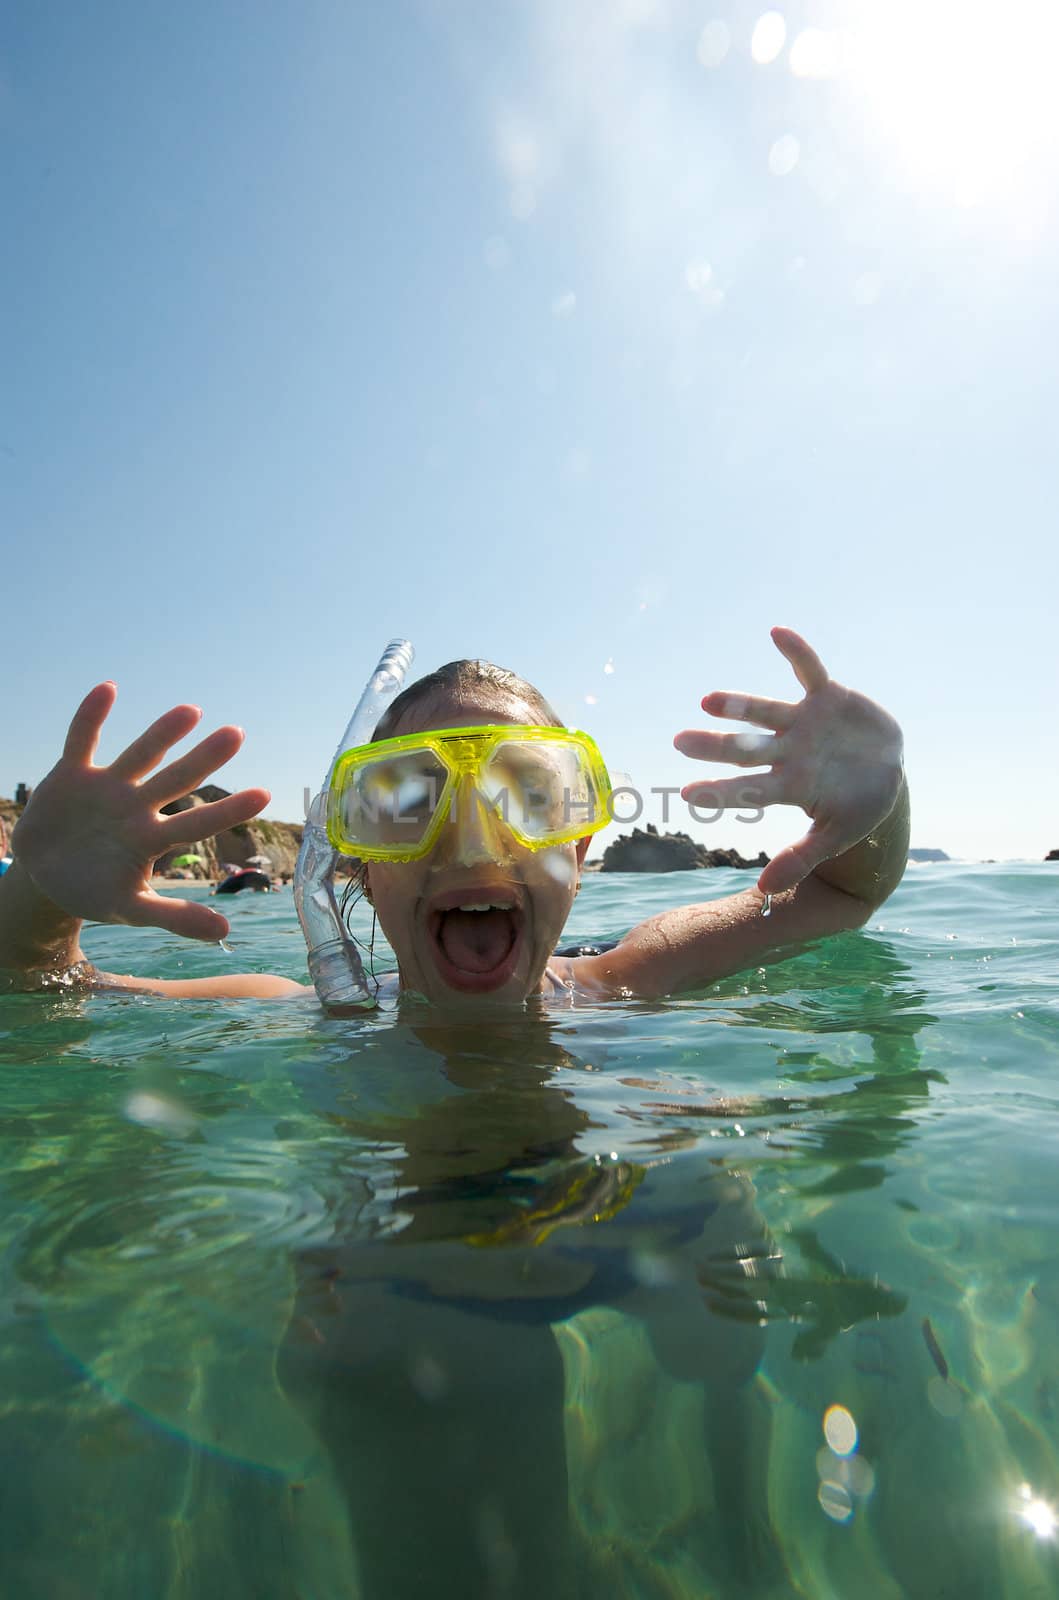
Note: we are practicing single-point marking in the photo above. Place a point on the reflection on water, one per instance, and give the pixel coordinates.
(729, 1294)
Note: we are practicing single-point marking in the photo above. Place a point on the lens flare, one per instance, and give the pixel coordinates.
(1037, 1514)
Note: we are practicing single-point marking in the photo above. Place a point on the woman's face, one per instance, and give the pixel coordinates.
(480, 914)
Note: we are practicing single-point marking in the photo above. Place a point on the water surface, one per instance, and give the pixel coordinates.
(555, 1304)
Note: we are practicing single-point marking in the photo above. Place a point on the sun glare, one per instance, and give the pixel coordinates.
(1036, 1513)
(961, 92)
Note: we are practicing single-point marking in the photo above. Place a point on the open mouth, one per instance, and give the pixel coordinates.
(477, 938)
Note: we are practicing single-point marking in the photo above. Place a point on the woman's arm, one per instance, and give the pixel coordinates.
(836, 754)
(86, 844)
(695, 945)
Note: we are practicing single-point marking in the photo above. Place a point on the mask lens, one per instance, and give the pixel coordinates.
(542, 788)
(391, 801)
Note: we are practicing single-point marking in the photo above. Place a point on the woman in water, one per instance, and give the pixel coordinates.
(399, 1348)
(471, 904)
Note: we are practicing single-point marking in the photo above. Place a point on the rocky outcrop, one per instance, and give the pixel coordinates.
(647, 850)
(1053, 855)
(277, 842)
(928, 855)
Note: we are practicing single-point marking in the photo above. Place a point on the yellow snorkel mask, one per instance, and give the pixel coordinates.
(389, 801)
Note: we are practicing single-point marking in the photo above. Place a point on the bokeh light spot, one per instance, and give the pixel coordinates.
(840, 1430)
(767, 40)
(783, 156)
(835, 1500)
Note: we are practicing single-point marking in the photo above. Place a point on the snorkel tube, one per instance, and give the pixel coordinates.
(334, 962)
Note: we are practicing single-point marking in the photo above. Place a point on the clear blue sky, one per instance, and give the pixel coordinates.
(565, 334)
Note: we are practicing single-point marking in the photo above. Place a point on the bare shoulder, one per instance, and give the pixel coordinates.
(232, 986)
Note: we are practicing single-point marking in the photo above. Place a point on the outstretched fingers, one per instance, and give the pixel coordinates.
(83, 735)
(187, 918)
(202, 822)
(145, 752)
(192, 769)
(761, 789)
(808, 668)
(738, 749)
(763, 713)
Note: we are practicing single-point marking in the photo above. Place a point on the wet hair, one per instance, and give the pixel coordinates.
(467, 683)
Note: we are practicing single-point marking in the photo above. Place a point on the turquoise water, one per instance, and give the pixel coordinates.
(551, 1305)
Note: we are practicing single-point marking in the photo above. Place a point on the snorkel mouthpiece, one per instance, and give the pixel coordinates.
(334, 961)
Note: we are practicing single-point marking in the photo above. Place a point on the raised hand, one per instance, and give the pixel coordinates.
(90, 835)
(835, 753)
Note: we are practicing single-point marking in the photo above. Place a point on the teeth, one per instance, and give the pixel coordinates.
(484, 906)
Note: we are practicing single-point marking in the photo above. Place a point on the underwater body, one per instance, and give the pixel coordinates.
(752, 1292)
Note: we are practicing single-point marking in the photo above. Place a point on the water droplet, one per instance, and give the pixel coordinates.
(766, 906)
(784, 154)
(558, 865)
(653, 1270)
(835, 1501)
(429, 1378)
(698, 276)
(153, 1110)
(714, 43)
(861, 1476)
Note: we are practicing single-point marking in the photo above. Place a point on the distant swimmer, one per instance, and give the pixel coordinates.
(245, 878)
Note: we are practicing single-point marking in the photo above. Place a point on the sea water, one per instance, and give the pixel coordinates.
(751, 1292)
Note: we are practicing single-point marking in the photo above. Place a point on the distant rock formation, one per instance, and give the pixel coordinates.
(1053, 855)
(278, 842)
(928, 855)
(647, 850)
